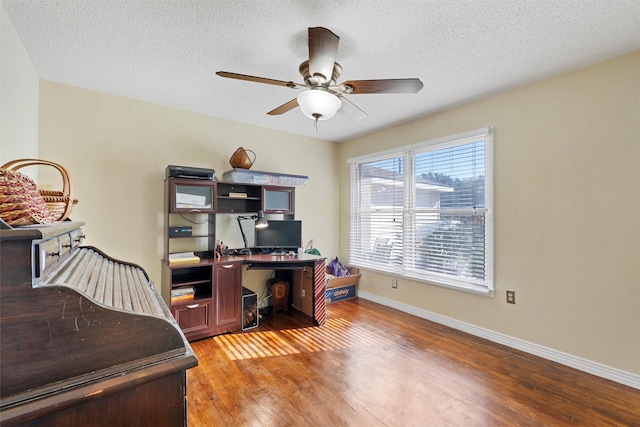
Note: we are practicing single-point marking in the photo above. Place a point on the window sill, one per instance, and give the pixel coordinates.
(445, 283)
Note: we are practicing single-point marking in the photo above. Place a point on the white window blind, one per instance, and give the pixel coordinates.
(378, 213)
(425, 211)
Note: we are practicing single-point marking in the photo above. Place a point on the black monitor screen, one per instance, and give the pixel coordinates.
(280, 234)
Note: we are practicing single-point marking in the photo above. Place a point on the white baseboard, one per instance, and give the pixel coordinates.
(600, 370)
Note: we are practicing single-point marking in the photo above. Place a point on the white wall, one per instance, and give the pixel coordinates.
(19, 101)
(567, 213)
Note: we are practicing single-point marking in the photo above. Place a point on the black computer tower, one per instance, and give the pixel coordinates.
(249, 309)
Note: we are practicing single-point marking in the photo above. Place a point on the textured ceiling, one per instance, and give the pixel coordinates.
(167, 52)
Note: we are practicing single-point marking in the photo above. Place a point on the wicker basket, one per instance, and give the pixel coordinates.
(60, 203)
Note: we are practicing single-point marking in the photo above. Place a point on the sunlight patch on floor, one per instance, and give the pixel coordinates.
(336, 334)
(255, 345)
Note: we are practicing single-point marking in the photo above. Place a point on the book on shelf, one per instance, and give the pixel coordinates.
(185, 297)
(187, 290)
(183, 258)
(181, 255)
(183, 294)
(183, 290)
(191, 260)
(238, 195)
(182, 298)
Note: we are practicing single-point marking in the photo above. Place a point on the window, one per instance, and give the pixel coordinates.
(425, 211)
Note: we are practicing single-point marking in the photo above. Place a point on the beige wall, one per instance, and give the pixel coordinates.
(19, 101)
(567, 213)
(117, 150)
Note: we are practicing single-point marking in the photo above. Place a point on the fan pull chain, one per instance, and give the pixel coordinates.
(315, 124)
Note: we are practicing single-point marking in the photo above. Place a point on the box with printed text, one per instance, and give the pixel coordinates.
(339, 294)
(341, 288)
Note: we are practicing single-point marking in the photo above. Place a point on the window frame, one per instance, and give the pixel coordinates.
(406, 267)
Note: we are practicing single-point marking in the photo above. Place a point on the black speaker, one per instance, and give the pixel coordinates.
(182, 231)
(249, 309)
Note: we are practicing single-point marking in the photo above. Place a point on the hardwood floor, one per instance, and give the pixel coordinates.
(375, 366)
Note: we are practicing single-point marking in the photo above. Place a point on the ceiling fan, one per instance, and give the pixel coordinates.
(323, 97)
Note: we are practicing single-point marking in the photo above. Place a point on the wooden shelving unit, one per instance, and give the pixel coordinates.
(213, 288)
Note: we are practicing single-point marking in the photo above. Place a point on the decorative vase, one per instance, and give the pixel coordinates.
(240, 159)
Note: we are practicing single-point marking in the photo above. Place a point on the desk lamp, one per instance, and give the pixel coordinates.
(261, 222)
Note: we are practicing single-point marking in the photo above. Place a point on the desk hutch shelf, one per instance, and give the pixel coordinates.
(205, 295)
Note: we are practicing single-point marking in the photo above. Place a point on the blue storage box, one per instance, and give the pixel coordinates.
(340, 288)
(340, 293)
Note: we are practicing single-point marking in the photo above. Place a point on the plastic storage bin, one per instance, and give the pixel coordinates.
(247, 176)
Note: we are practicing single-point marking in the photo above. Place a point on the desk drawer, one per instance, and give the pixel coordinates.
(194, 317)
(51, 252)
(48, 254)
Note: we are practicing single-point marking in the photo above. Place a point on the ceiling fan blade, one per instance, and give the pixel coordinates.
(288, 106)
(323, 47)
(258, 79)
(351, 111)
(381, 86)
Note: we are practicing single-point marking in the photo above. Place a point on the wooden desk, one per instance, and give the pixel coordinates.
(85, 339)
(293, 262)
(216, 303)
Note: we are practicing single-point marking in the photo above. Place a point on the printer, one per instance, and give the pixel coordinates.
(190, 172)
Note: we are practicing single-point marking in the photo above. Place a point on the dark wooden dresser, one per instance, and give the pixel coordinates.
(86, 340)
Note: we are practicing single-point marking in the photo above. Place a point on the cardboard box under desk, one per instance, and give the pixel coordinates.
(341, 288)
(303, 291)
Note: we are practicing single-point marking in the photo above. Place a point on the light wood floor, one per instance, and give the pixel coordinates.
(375, 366)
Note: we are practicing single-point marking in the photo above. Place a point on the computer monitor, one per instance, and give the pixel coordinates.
(280, 235)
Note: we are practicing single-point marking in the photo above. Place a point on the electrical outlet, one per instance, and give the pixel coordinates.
(394, 283)
(511, 297)
(303, 293)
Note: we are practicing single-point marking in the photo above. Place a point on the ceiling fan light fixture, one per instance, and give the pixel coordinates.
(318, 104)
(323, 97)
